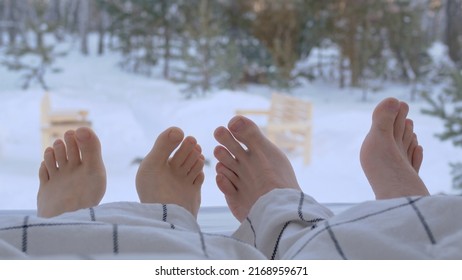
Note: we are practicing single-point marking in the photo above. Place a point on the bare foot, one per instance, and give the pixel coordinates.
(390, 155)
(172, 180)
(72, 175)
(244, 175)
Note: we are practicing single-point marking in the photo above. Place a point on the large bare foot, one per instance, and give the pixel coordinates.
(245, 174)
(390, 155)
(176, 179)
(72, 175)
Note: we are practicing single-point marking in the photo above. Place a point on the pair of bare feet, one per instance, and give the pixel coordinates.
(73, 176)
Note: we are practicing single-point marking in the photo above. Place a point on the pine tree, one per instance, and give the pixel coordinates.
(34, 59)
(448, 106)
(406, 39)
(202, 43)
(354, 27)
(135, 25)
(454, 30)
(3, 21)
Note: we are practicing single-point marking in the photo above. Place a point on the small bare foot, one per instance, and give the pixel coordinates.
(245, 174)
(390, 155)
(72, 175)
(172, 180)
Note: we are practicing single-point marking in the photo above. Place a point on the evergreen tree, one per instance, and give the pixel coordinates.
(448, 106)
(135, 24)
(245, 58)
(407, 41)
(454, 30)
(354, 27)
(234, 58)
(202, 43)
(3, 21)
(34, 59)
(288, 30)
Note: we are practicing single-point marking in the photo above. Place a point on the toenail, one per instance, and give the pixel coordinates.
(69, 133)
(218, 151)
(219, 131)
(410, 122)
(57, 142)
(393, 106)
(236, 125)
(82, 134)
(174, 135)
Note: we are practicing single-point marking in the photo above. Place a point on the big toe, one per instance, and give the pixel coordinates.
(246, 132)
(385, 114)
(165, 144)
(89, 146)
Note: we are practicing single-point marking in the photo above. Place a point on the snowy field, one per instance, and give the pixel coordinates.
(129, 111)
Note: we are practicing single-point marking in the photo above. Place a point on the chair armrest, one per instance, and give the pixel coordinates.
(252, 112)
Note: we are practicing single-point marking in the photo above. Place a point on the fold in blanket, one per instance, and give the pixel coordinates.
(286, 224)
(283, 224)
(117, 230)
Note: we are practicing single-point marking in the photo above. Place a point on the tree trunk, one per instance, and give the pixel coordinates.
(205, 45)
(350, 51)
(167, 39)
(10, 7)
(2, 22)
(84, 18)
(102, 24)
(453, 29)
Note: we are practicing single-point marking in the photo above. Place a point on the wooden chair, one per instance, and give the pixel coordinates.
(56, 123)
(289, 123)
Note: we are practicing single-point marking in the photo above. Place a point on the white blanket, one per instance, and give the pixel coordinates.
(283, 224)
(291, 225)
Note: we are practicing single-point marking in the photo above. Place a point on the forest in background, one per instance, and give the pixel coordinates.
(209, 44)
(206, 44)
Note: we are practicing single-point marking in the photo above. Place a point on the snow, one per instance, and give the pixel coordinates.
(129, 111)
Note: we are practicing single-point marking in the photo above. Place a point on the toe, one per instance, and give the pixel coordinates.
(408, 136)
(417, 158)
(89, 146)
(165, 144)
(411, 147)
(247, 132)
(196, 168)
(73, 153)
(225, 185)
(224, 137)
(385, 114)
(60, 153)
(199, 179)
(400, 122)
(223, 156)
(43, 174)
(191, 161)
(50, 161)
(180, 158)
(228, 173)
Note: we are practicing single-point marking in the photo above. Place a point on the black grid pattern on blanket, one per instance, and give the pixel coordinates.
(21, 228)
(312, 223)
(23, 231)
(25, 227)
(329, 228)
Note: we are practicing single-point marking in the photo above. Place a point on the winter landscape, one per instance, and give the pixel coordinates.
(128, 111)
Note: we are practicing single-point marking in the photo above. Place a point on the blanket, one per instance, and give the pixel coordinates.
(283, 224)
(291, 225)
(122, 230)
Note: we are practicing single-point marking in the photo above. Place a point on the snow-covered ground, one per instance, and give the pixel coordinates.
(129, 111)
